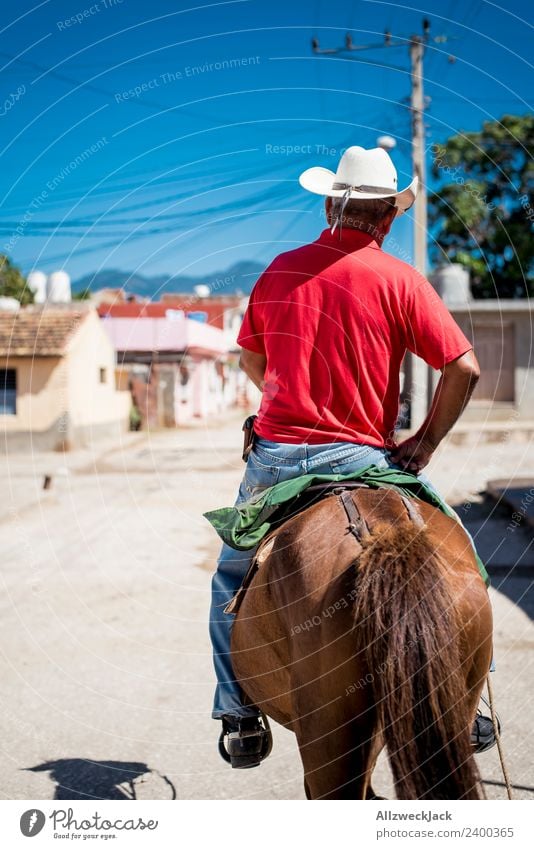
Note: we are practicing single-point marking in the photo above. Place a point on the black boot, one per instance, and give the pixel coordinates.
(245, 741)
(483, 733)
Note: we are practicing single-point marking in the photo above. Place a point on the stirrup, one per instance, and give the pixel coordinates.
(483, 737)
(245, 748)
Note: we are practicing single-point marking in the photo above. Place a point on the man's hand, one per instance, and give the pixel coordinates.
(458, 379)
(413, 454)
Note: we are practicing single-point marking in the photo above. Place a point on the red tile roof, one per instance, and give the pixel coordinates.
(39, 333)
(158, 309)
(133, 309)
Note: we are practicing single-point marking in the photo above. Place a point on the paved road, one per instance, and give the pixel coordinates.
(105, 660)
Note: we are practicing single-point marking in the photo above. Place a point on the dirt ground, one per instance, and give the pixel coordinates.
(105, 657)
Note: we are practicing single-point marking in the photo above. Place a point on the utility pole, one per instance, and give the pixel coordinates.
(418, 382)
(418, 385)
(417, 106)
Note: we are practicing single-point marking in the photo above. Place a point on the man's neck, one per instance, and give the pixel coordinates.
(371, 230)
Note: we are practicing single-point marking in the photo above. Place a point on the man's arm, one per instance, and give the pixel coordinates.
(458, 379)
(254, 366)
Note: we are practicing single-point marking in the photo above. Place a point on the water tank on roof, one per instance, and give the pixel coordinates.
(36, 281)
(10, 304)
(58, 288)
(451, 282)
(202, 290)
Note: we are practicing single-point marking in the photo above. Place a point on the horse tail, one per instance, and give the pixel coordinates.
(407, 628)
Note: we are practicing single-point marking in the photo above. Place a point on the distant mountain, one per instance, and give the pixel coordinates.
(240, 277)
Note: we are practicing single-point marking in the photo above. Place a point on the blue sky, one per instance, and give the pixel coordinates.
(160, 137)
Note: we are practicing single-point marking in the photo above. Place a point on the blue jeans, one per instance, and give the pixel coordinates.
(270, 463)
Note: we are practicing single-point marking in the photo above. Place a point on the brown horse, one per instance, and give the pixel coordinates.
(360, 642)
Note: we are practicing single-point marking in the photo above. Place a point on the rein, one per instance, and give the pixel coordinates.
(495, 722)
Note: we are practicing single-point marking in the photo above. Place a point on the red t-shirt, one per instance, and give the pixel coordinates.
(334, 319)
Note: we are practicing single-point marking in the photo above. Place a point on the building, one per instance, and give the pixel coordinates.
(109, 296)
(501, 333)
(179, 368)
(57, 379)
(226, 313)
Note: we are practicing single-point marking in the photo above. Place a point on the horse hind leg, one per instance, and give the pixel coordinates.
(338, 760)
(478, 648)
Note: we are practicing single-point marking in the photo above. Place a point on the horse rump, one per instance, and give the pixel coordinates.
(406, 625)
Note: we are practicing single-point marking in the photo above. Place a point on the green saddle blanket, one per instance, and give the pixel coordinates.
(245, 525)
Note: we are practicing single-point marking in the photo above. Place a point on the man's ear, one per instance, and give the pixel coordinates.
(391, 219)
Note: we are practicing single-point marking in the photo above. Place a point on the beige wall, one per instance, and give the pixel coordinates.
(42, 392)
(504, 332)
(92, 402)
(60, 400)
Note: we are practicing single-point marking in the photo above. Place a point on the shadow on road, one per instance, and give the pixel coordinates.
(505, 547)
(520, 590)
(77, 778)
(514, 786)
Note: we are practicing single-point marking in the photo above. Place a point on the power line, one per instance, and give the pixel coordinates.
(416, 47)
(80, 188)
(419, 384)
(250, 178)
(143, 103)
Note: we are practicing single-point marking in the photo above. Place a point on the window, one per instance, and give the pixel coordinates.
(103, 377)
(8, 391)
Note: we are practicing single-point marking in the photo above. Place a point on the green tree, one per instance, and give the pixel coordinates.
(482, 214)
(13, 283)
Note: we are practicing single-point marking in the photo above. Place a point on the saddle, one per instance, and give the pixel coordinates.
(312, 495)
(307, 498)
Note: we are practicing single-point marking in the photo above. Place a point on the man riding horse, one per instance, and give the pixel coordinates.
(323, 338)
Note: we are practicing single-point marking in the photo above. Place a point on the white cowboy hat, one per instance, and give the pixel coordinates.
(363, 174)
